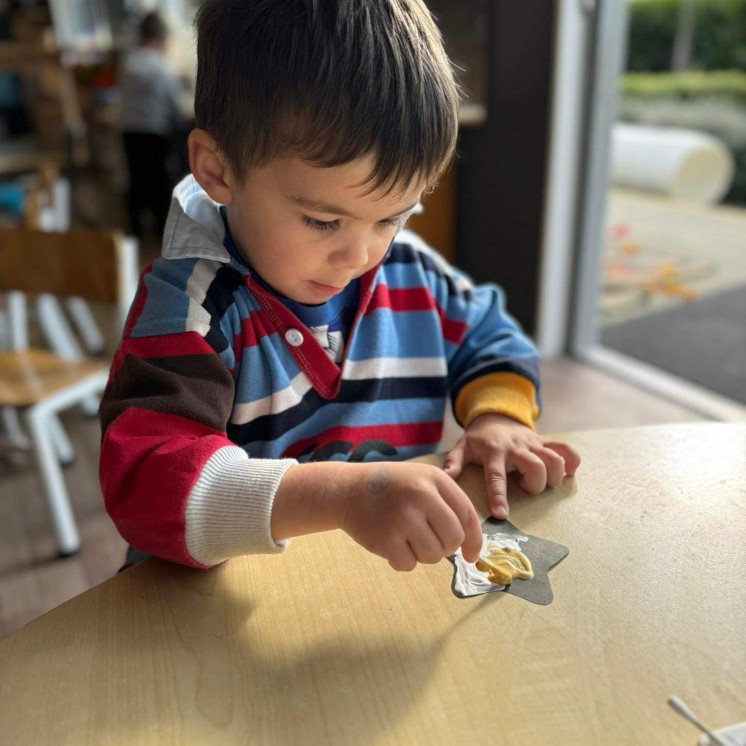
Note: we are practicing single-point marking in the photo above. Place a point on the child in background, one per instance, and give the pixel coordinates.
(294, 343)
(151, 119)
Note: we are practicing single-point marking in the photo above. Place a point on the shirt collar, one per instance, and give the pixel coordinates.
(194, 228)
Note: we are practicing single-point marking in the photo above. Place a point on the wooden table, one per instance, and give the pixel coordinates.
(326, 645)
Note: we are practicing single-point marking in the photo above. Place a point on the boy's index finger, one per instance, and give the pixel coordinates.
(459, 502)
(496, 484)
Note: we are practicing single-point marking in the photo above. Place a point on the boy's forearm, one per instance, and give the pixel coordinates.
(313, 497)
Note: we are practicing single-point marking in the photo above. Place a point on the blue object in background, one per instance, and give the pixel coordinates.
(13, 199)
(10, 91)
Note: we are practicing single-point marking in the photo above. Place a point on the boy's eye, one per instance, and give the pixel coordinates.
(397, 223)
(320, 225)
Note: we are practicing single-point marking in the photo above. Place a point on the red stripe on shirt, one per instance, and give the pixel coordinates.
(453, 331)
(139, 304)
(405, 434)
(417, 299)
(132, 319)
(253, 328)
(168, 345)
(401, 299)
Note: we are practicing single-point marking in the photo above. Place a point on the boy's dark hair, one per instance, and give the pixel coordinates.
(328, 80)
(152, 28)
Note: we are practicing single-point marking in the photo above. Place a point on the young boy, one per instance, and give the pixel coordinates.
(293, 345)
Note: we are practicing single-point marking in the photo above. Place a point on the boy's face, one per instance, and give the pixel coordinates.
(309, 231)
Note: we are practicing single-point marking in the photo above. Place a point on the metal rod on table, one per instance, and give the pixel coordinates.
(677, 705)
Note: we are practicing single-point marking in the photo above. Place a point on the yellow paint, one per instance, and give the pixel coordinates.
(505, 564)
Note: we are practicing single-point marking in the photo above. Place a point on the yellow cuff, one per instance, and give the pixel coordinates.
(498, 393)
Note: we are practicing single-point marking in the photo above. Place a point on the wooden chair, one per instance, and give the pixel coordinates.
(95, 266)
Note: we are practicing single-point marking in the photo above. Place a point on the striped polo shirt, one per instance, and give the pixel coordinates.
(219, 386)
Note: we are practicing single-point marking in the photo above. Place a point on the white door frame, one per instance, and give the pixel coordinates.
(569, 87)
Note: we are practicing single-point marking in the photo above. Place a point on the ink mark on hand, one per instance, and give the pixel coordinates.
(379, 481)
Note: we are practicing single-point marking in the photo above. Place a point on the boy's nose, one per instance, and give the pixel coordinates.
(354, 255)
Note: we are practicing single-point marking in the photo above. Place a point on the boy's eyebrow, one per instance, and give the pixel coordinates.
(334, 210)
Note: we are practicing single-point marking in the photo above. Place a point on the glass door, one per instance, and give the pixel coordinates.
(661, 286)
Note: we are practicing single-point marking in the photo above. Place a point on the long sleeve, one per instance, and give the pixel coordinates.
(174, 484)
(492, 366)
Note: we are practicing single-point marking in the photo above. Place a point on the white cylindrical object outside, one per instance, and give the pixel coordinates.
(682, 163)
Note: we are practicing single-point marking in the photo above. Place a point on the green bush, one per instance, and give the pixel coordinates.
(652, 26)
(729, 84)
(719, 34)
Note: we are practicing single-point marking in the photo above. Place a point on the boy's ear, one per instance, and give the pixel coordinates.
(209, 167)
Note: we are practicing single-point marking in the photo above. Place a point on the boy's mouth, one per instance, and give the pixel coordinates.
(320, 287)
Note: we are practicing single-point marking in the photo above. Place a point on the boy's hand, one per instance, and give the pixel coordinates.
(503, 445)
(410, 513)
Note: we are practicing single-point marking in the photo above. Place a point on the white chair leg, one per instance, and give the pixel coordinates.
(4, 336)
(90, 405)
(61, 339)
(17, 320)
(56, 328)
(13, 430)
(82, 317)
(54, 483)
(62, 445)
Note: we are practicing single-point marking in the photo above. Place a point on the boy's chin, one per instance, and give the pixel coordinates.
(309, 292)
(306, 298)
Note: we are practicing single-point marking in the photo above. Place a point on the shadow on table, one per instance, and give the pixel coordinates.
(343, 689)
(361, 692)
(207, 676)
(326, 685)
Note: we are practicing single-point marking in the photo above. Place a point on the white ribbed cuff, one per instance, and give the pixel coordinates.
(229, 508)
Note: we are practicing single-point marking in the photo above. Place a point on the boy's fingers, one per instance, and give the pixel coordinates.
(454, 461)
(425, 543)
(402, 558)
(569, 454)
(460, 504)
(447, 527)
(497, 487)
(533, 471)
(554, 463)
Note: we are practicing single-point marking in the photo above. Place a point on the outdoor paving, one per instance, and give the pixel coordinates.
(673, 229)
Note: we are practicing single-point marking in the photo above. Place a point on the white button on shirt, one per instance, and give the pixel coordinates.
(294, 338)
